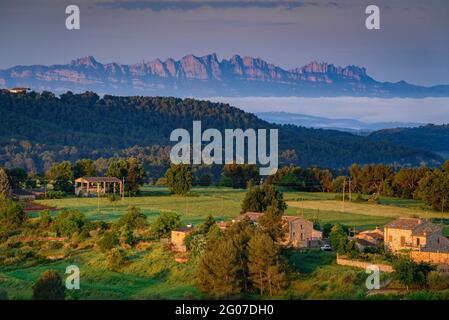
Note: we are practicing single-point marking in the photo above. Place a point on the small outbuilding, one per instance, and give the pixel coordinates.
(177, 238)
(92, 186)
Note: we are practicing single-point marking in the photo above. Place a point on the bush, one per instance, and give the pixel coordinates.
(132, 219)
(55, 194)
(437, 280)
(45, 219)
(49, 287)
(108, 241)
(11, 213)
(3, 295)
(116, 259)
(70, 222)
(408, 272)
(164, 224)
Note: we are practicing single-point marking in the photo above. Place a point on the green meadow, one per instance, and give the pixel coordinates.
(153, 273)
(225, 204)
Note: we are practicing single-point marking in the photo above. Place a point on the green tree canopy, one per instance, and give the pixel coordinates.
(179, 178)
(84, 168)
(218, 269)
(240, 174)
(265, 271)
(133, 218)
(164, 224)
(49, 286)
(61, 175)
(259, 198)
(12, 214)
(71, 222)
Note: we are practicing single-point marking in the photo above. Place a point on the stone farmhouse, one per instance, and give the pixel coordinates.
(369, 239)
(414, 234)
(299, 231)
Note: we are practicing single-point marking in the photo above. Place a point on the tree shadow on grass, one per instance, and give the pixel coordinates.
(308, 261)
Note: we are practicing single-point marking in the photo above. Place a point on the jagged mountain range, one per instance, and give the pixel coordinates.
(207, 76)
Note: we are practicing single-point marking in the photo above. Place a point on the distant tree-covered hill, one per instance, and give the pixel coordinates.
(430, 137)
(37, 129)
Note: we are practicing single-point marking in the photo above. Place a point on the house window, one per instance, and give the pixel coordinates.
(302, 237)
(390, 238)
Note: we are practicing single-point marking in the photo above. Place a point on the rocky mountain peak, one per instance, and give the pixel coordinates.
(88, 61)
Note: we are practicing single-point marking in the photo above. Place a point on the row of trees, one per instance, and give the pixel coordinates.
(429, 185)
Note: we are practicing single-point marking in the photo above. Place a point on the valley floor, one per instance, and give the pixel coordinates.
(153, 273)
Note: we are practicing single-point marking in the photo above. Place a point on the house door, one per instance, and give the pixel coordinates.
(402, 241)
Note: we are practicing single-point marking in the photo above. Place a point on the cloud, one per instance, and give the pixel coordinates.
(426, 110)
(177, 5)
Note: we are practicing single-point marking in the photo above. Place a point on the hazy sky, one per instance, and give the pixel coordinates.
(427, 110)
(412, 45)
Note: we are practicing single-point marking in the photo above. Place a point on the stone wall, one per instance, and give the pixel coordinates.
(430, 257)
(343, 261)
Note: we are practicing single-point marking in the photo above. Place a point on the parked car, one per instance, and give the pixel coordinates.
(326, 247)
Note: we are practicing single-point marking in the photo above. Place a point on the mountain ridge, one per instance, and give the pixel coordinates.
(208, 76)
(342, 124)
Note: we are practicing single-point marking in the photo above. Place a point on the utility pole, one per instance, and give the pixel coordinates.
(98, 196)
(350, 191)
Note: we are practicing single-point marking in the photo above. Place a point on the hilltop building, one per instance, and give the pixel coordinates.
(19, 90)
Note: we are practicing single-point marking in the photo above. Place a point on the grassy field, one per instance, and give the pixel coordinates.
(153, 273)
(225, 204)
(222, 203)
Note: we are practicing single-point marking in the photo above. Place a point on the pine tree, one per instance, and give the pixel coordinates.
(271, 222)
(217, 272)
(264, 267)
(5, 183)
(240, 234)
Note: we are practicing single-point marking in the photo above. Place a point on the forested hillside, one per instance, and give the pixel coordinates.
(430, 137)
(38, 129)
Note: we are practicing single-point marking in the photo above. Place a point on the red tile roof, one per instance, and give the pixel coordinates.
(404, 223)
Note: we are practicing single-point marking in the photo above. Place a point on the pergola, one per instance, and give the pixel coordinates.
(97, 185)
